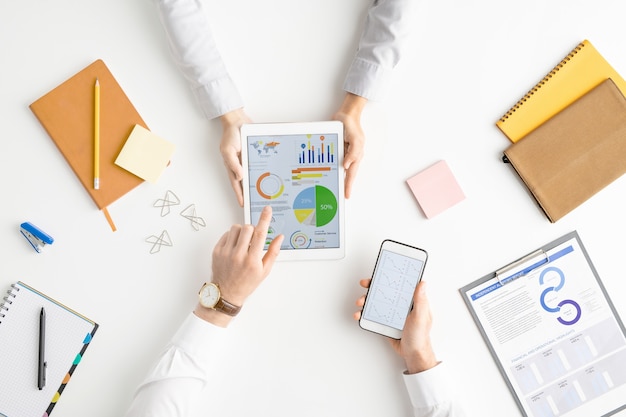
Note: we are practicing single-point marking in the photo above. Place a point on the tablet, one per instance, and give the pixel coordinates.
(297, 168)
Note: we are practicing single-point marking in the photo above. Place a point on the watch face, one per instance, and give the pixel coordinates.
(209, 295)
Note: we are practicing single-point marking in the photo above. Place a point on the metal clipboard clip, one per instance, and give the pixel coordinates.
(523, 266)
(35, 236)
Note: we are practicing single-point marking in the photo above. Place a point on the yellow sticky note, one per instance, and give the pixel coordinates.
(145, 154)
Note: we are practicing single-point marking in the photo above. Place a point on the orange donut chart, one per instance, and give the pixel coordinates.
(269, 186)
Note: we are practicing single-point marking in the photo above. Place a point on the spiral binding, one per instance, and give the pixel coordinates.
(4, 307)
(540, 84)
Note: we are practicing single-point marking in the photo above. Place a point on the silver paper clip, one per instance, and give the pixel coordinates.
(157, 241)
(190, 214)
(166, 202)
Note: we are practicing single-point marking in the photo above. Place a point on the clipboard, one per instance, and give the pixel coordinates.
(553, 332)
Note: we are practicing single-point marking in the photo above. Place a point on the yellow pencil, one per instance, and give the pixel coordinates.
(96, 137)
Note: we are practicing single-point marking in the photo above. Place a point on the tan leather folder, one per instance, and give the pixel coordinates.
(576, 153)
(67, 114)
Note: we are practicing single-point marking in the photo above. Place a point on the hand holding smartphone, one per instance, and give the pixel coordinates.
(389, 299)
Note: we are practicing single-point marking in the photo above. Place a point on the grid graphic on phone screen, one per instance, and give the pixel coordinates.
(391, 293)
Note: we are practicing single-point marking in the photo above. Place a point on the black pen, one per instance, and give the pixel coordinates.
(41, 372)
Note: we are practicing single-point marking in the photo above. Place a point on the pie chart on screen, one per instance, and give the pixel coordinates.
(315, 206)
(269, 186)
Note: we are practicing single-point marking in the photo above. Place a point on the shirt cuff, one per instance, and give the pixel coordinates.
(199, 338)
(218, 97)
(428, 388)
(367, 79)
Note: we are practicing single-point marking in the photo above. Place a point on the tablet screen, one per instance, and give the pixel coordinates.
(299, 176)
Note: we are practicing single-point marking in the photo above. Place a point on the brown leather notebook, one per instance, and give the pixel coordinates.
(67, 114)
(576, 153)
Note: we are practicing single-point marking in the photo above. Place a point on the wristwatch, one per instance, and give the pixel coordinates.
(211, 297)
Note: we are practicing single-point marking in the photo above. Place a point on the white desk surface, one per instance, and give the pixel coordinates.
(295, 348)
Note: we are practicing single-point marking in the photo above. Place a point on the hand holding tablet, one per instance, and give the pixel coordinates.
(297, 168)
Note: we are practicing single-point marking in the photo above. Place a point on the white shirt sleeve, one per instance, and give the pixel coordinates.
(431, 395)
(195, 52)
(173, 386)
(387, 27)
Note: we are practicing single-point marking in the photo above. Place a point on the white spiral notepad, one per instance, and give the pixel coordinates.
(67, 336)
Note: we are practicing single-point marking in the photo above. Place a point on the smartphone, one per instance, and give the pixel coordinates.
(389, 299)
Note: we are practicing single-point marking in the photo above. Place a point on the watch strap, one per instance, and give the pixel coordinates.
(226, 307)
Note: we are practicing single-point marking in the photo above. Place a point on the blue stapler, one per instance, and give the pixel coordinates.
(35, 236)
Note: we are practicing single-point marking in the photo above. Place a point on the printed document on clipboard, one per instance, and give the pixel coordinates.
(553, 332)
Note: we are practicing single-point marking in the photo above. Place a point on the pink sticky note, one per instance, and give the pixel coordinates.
(436, 189)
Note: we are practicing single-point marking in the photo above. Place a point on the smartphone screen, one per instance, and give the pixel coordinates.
(389, 298)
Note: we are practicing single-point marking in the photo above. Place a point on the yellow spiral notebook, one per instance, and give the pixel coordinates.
(581, 70)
